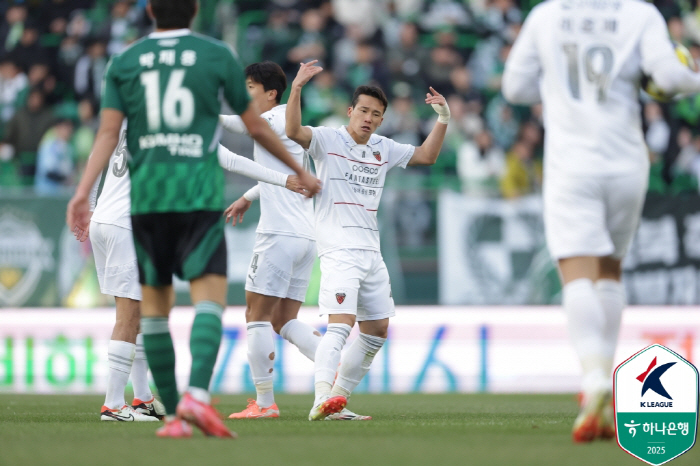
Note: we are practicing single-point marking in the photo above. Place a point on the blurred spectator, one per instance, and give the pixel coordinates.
(368, 68)
(401, 122)
(120, 27)
(676, 29)
(89, 71)
(405, 60)
(480, 166)
(443, 13)
(437, 68)
(24, 131)
(367, 14)
(12, 84)
(686, 168)
(12, 28)
(40, 77)
(55, 159)
(523, 174)
(312, 43)
(691, 22)
(28, 50)
(279, 37)
(84, 135)
(502, 121)
(658, 130)
(67, 57)
(323, 97)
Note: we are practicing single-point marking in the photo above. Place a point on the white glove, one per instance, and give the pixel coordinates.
(443, 112)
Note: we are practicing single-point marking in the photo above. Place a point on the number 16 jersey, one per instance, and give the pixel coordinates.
(589, 56)
(169, 85)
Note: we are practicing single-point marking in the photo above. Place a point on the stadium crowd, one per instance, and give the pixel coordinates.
(53, 54)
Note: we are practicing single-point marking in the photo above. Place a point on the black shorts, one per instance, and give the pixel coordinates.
(187, 244)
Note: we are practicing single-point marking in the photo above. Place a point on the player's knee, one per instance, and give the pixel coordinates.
(278, 322)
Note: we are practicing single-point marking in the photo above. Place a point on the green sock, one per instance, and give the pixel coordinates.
(204, 342)
(160, 354)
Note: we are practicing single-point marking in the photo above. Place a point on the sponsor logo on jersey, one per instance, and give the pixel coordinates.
(24, 255)
(363, 169)
(340, 297)
(377, 155)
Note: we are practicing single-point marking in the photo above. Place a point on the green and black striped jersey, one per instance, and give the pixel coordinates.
(170, 87)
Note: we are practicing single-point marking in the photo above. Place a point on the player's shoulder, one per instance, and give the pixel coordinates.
(215, 45)
(378, 139)
(132, 50)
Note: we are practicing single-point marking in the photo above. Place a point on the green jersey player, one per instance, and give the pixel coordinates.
(169, 86)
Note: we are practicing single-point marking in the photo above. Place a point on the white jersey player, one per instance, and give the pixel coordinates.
(352, 163)
(284, 251)
(583, 59)
(117, 274)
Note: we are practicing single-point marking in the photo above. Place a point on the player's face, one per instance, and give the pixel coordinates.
(366, 115)
(257, 93)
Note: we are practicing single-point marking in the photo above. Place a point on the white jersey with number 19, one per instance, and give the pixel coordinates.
(586, 58)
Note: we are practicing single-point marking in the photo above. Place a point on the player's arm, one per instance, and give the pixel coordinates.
(427, 153)
(237, 210)
(302, 135)
(659, 59)
(521, 78)
(78, 214)
(233, 124)
(246, 167)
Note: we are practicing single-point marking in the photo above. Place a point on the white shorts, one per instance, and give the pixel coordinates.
(115, 260)
(281, 266)
(355, 281)
(592, 215)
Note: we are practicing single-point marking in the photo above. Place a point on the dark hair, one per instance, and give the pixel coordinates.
(270, 75)
(372, 91)
(173, 14)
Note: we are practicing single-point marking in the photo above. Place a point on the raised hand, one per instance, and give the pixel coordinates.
(306, 72)
(439, 104)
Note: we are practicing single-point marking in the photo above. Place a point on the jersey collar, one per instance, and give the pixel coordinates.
(169, 34)
(350, 142)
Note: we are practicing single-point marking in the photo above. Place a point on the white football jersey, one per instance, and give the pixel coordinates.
(114, 204)
(282, 211)
(587, 57)
(353, 178)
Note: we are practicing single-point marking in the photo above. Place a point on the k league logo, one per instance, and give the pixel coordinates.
(656, 405)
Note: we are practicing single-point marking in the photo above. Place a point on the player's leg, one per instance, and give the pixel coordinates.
(284, 318)
(261, 355)
(201, 259)
(375, 307)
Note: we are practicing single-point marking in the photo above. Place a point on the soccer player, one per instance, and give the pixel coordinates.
(169, 87)
(284, 251)
(584, 61)
(352, 163)
(117, 274)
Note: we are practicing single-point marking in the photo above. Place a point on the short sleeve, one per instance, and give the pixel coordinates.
(399, 154)
(235, 91)
(317, 147)
(655, 44)
(110, 87)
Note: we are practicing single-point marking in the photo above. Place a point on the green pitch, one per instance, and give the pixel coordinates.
(430, 430)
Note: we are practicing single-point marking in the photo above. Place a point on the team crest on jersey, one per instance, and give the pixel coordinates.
(377, 155)
(340, 297)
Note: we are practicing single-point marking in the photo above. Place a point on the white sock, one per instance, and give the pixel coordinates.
(328, 356)
(200, 394)
(120, 355)
(355, 363)
(303, 336)
(261, 357)
(586, 321)
(611, 295)
(139, 372)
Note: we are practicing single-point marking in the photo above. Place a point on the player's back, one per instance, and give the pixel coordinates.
(281, 210)
(169, 86)
(114, 204)
(591, 53)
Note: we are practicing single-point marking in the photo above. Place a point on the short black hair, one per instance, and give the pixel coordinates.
(173, 14)
(372, 91)
(270, 75)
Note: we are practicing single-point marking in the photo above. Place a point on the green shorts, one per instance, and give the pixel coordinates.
(187, 244)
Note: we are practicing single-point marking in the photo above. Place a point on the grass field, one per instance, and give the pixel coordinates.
(432, 430)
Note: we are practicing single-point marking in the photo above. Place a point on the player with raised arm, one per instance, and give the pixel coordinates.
(284, 251)
(169, 85)
(117, 274)
(583, 60)
(352, 163)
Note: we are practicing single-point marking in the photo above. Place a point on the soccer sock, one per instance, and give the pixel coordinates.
(160, 354)
(586, 320)
(355, 363)
(204, 344)
(328, 357)
(303, 336)
(120, 355)
(139, 372)
(611, 294)
(261, 357)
